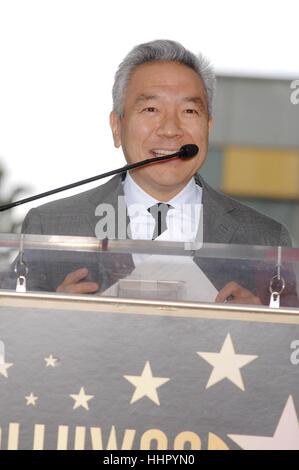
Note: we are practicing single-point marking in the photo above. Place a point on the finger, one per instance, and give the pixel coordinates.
(75, 276)
(221, 296)
(79, 288)
(233, 292)
(229, 289)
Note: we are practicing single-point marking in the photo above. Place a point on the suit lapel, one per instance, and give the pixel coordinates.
(111, 193)
(217, 221)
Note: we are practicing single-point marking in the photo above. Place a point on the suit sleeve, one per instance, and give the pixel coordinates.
(32, 223)
(285, 238)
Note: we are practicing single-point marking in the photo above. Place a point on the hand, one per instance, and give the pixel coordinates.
(72, 283)
(233, 293)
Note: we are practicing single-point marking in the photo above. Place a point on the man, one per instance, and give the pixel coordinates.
(162, 99)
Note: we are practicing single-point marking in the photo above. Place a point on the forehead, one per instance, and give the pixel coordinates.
(163, 79)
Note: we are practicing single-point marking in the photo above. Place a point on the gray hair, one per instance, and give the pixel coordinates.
(166, 51)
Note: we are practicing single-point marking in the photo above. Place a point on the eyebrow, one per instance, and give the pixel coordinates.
(144, 97)
(196, 100)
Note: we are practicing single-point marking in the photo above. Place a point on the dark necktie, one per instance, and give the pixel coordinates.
(159, 212)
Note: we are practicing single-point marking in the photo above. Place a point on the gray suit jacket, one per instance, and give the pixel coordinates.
(224, 221)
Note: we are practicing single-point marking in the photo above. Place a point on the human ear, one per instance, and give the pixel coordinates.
(115, 128)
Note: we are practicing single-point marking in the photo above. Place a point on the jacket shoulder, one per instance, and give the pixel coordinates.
(251, 226)
(70, 215)
(80, 200)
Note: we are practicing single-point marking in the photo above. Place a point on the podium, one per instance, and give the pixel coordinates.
(154, 370)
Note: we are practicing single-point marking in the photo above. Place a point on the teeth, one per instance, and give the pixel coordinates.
(160, 153)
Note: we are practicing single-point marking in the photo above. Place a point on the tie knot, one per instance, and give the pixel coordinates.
(159, 213)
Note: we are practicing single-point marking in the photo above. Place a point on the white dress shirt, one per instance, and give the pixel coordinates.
(182, 221)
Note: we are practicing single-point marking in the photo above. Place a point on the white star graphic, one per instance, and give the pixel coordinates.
(81, 399)
(226, 364)
(31, 399)
(146, 385)
(286, 435)
(51, 361)
(3, 368)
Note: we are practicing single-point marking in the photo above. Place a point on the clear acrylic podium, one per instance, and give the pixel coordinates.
(150, 360)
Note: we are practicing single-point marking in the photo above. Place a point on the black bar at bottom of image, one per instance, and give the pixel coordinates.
(138, 458)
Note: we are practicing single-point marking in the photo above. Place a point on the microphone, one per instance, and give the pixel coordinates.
(186, 151)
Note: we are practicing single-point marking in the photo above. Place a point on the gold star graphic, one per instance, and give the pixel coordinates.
(81, 399)
(51, 361)
(285, 437)
(31, 399)
(146, 385)
(226, 364)
(3, 368)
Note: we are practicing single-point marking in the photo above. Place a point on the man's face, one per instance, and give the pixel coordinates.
(165, 107)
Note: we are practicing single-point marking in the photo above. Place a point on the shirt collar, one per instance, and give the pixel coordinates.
(136, 195)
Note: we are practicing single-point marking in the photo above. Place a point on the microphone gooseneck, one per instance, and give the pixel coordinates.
(186, 151)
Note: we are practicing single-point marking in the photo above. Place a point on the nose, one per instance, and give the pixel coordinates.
(170, 125)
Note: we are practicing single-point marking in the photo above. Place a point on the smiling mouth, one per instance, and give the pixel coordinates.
(163, 152)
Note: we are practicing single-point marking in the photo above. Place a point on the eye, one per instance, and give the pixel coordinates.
(191, 111)
(150, 109)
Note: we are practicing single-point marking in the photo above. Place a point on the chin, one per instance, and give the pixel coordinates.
(170, 182)
(172, 177)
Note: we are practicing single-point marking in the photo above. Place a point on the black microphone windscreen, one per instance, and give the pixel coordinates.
(188, 150)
